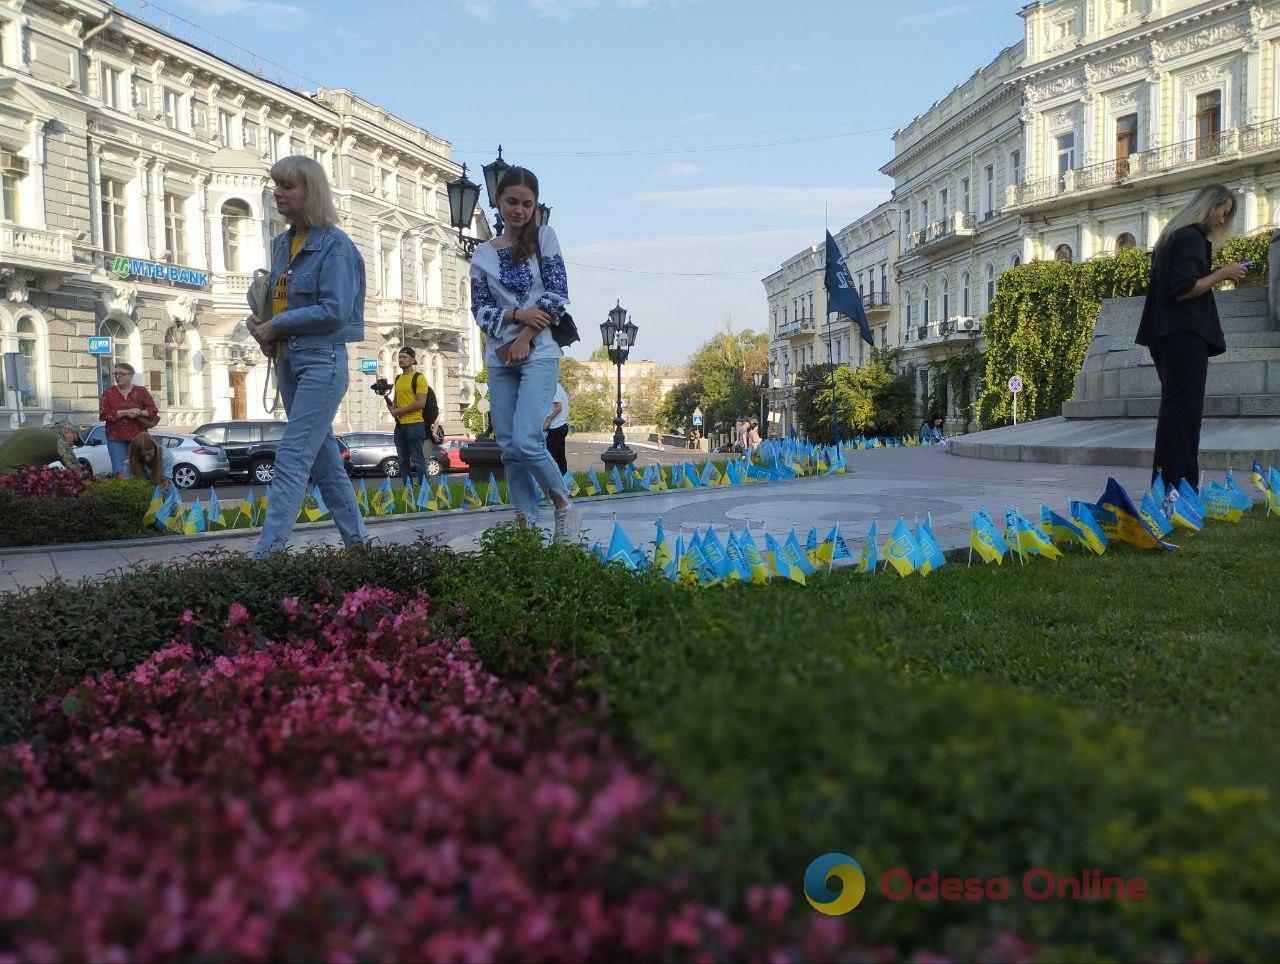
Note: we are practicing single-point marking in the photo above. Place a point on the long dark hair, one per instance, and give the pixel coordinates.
(526, 245)
(152, 468)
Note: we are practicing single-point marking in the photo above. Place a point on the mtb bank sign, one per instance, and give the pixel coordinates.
(134, 269)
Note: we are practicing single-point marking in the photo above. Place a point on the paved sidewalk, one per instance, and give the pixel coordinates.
(881, 485)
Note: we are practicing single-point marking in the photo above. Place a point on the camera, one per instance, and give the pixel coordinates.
(382, 387)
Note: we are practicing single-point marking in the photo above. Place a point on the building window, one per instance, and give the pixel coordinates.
(275, 141)
(387, 182)
(811, 314)
(871, 277)
(235, 218)
(115, 330)
(175, 228)
(908, 309)
(388, 262)
(964, 294)
(906, 223)
(1015, 167)
(172, 101)
(925, 303)
(989, 190)
(991, 284)
(884, 281)
(1126, 241)
(111, 78)
(924, 213)
(1065, 146)
(113, 207)
(1062, 253)
(944, 203)
(965, 200)
(1208, 123)
(1126, 142)
(321, 156)
(946, 299)
(428, 199)
(177, 369)
(28, 348)
(12, 171)
(225, 122)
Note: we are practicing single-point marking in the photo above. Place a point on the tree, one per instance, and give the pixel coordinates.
(871, 400)
(675, 412)
(722, 371)
(642, 399)
(601, 354)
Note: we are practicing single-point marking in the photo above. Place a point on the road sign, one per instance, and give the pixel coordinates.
(368, 364)
(1015, 384)
(99, 345)
(697, 420)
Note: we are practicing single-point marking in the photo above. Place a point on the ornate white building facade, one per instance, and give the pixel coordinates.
(135, 206)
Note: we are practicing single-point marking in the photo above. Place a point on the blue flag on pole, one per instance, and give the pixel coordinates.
(842, 296)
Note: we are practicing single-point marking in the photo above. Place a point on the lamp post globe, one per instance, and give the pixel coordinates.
(463, 195)
(544, 215)
(483, 454)
(493, 172)
(618, 332)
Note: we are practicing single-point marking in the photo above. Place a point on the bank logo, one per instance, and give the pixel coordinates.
(853, 884)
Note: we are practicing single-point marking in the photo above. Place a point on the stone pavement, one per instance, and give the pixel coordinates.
(881, 485)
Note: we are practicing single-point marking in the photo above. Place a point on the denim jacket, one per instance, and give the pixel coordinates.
(324, 286)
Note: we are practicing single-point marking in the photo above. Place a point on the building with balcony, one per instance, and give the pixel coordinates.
(1130, 106)
(135, 205)
(951, 168)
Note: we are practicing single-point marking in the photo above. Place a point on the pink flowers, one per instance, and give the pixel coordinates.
(42, 482)
(362, 788)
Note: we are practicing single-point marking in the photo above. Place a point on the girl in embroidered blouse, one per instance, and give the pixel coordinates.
(518, 292)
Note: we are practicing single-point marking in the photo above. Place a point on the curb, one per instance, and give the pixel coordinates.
(226, 534)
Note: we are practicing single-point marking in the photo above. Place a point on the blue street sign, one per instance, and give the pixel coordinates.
(697, 420)
(99, 345)
(368, 364)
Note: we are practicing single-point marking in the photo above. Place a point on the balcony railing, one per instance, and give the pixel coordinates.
(34, 246)
(876, 301)
(958, 326)
(796, 327)
(958, 224)
(1231, 144)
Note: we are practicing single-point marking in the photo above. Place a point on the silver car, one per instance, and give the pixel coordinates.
(374, 453)
(196, 460)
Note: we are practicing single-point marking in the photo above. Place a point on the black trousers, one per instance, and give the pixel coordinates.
(1182, 362)
(555, 445)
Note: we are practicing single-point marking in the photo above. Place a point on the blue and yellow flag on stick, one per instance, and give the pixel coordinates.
(243, 517)
(661, 549)
(593, 482)
(1182, 513)
(153, 510)
(901, 551)
(737, 559)
(1273, 491)
(214, 515)
(444, 495)
(1122, 520)
(930, 550)
(620, 548)
(759, 569)
(571, 484)
(870, 553)
(1150, 508)
(470, 497)
(1185, 491)
(1059, 529)
(1094, 538)
(495, 493)
(425, 499)
(1260, 479)
(795, 554)
(383, 500)
(362, 500)
(1158, 490)
(779, 563)
(613, 483)
(1220, 503)
(839, 549)
(714, 552)
(675, 567)
(985, 540)
(1027, 538)
(260, 510)
(195, 521)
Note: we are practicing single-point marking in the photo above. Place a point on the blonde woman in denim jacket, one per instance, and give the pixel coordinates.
(317, 277)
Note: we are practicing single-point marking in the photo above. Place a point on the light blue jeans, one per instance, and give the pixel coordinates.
(312, 384)
(119, 453)
(520, 399)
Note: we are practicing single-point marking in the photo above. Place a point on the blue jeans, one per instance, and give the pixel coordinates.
(119, 452)
(312, 384)
(410, 440)
(520, 399)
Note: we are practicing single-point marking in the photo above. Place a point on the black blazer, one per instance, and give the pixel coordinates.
(1175, 268)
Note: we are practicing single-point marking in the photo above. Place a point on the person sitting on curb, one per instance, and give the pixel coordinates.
(37, 445)
(931, 429)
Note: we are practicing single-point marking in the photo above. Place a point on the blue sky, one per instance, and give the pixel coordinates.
(695, 136)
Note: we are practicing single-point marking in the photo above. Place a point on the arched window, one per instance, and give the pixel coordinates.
(235, 220)
(29, 348)
(991, 283)
(1017, 260)
(908, 309)
(114, 329)
(924, 315)
(1126, 241)
(177, 369)
(1062, 253)
(946, 299)
(964, 294)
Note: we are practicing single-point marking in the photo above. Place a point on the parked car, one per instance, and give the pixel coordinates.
(250, 446)
(374, 453)
(196, 460)
(452, 449)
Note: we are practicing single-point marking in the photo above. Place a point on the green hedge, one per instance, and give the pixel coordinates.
(107, 509)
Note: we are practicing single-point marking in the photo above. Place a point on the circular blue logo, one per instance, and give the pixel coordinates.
(825, 900)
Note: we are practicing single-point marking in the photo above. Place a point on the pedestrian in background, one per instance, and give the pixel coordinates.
(150, 461)
(37, 445)
(519, 289)
(557, 428)
(1180, 326)
(127, 409)
(317, 308)
(407, 404)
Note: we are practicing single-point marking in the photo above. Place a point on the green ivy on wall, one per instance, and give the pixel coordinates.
(1042, 318)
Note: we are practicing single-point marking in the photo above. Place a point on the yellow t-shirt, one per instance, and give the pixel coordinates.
(280, 297)
(405, 395)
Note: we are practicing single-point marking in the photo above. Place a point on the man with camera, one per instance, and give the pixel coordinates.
(406, 402)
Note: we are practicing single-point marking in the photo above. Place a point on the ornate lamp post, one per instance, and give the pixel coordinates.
(618, 332)
(759, 380)
(483, 455)
(463, 195)
(791, 403)
(493, 172)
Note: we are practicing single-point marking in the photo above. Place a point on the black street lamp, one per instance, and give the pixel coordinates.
(493, 172)
(544, 215)
(463, 195)
(618, 332)
(759, 379)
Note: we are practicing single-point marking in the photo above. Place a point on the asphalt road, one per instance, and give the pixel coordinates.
(581, 455)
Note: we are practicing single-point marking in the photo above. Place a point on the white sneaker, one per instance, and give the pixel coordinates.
(568, 525)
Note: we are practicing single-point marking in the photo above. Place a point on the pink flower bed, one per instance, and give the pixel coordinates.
(42, 482)
(362, 789)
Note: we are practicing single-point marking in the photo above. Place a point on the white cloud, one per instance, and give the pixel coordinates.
(839, 202)
(697, 118)
(797, 68)
(259, 12)
(679, 169)
(939, 13)
(677, 311)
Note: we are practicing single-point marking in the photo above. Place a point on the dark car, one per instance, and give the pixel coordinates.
(374, 453)
(250, 446)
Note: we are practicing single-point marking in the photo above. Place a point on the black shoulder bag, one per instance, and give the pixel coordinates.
(563, 331)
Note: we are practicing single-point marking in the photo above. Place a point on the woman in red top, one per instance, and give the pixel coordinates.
(127, 409)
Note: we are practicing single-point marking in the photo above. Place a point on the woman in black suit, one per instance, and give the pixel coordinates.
(1180, 326)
